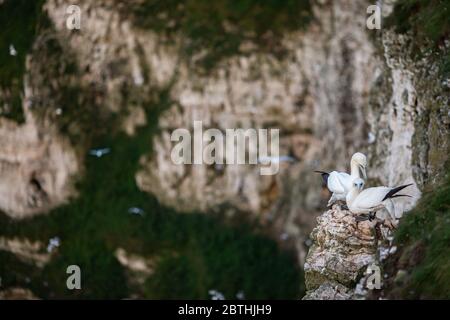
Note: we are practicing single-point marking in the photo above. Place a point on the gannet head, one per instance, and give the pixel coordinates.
(361, 161)
(358, 184)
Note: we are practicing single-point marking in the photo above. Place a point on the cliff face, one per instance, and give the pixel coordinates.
(119, 67)
(407, 126)
(319, 115)
(314, 95)
(338, 89)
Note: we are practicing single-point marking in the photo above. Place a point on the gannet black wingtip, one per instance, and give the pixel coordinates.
(324, 174)
(401, 195)
(391, 194)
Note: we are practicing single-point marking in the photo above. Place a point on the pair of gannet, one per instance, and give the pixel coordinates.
(363, 202)
(340, 183)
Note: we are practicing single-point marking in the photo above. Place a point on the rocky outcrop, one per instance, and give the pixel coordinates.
(340, 253)
(37, 166)
(17, 293)
(138, 270)
(26, 250)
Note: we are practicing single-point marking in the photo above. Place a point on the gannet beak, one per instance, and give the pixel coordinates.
(363, 171)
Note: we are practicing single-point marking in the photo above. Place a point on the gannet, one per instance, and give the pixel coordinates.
(370, 200)
(136, 211)
(240, 295)
(339, 183)
(12, 50)
(216, 295)
(53, 243)
(99, 152)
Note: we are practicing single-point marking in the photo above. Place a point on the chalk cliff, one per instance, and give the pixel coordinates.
(337, 88)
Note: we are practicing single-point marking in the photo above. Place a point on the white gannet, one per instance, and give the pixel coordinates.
(99, 152)
(339, 183)
(136, 211)
(53, 243)
(12, 50)
(216, 295)
(368, 201)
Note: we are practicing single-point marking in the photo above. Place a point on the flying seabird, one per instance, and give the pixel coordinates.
(12, 50)
(368, 201)
(340, 183)
(216, 295)
(53, 243)
(136, 211)
(99, 152)
(240, 295)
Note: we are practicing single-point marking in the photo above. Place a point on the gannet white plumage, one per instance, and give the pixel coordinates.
(52, 244)
(136, 211)
(370, 200)
(99, 152)
(12, 50)
(340, 183)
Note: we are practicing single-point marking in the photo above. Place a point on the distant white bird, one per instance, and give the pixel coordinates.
(368, 201)
(12, 50)
(267, 160)
(216, 295)
(136, 211)
(99, 152)
(240, 295)
(284, 236)
(52, 244)
(371, 138)
(339, 183)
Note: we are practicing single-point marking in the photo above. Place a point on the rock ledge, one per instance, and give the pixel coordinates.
(338, 258)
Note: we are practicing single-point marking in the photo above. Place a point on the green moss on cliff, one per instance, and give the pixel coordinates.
(20, 21)
(423, 239)
(217, 29)
(427, 18)
(428, 21)
(75, 107)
